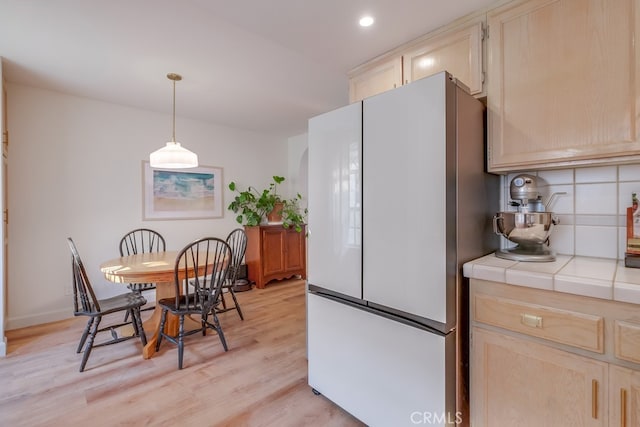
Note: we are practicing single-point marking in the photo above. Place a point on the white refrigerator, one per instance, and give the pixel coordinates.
(398, 201)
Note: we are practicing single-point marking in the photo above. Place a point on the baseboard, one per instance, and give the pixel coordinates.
(38, 319)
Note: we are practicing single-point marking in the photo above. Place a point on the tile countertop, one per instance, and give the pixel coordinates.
(594, 277)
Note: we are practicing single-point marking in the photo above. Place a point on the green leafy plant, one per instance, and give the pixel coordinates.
(292, 214)
(253, 205)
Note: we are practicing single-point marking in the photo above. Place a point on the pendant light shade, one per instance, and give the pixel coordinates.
(173, 155)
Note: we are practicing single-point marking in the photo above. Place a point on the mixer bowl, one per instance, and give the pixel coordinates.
(525, 229)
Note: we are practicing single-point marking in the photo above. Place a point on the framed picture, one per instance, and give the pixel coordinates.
(194, 193)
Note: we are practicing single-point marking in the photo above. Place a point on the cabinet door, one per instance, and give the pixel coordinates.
(273, 248)
(294, 255)
(562, 83)
(457, 51)
(517, 382)
(375, 78)
(624, 397)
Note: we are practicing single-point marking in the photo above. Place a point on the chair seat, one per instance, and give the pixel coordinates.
(181, 308)
(117, 303)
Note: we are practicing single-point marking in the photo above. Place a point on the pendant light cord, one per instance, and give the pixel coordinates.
(173, 135)
(174, 78)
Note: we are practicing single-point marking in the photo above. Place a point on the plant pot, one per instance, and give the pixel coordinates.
(275, 216)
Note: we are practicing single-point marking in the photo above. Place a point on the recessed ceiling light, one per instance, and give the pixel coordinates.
(366, 21)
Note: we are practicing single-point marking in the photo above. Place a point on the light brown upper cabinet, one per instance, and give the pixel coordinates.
(375, 77)
(457, 51)
(563, 83)
(456, 48)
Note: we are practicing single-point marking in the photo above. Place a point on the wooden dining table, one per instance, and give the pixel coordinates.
(158, 268)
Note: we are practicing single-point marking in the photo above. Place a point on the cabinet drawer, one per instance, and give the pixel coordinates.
(562, 326)
(627, 340)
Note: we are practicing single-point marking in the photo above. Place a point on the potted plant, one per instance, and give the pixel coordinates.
(292, 214)
(253, 206)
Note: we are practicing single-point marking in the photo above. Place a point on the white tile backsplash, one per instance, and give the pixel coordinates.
(625, 190)
(557, 177)
(592, 213)
(562, 238)
(596, 199)
(595, 241)
(597, 220)
(597, 174)
(622, 241)
(629, 173)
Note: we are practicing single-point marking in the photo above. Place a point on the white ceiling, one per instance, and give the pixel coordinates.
(264, 65)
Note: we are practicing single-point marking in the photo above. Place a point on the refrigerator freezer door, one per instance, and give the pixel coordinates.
(405, 199)
(335, 227)
(383, 372)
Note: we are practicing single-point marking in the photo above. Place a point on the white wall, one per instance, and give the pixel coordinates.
(75, 171)
(298, 166)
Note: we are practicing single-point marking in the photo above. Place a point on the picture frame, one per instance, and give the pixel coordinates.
(193, 193)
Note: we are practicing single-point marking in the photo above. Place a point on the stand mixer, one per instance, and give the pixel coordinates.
(530, 226)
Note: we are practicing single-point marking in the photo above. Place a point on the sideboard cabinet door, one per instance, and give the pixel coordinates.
(274, 253)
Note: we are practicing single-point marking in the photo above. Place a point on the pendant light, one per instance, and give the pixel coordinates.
(173, 155)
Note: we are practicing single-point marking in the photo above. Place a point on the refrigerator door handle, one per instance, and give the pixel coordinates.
(361, 305)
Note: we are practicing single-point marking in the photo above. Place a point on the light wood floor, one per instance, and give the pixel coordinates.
(260, 381)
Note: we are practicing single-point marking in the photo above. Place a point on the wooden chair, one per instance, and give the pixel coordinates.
(141, 240)
(85, 303)
(237, 241)
(198, 295)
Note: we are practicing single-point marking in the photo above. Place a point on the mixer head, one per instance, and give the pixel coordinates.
(524, 188)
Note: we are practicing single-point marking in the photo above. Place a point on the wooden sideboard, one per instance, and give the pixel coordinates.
(274, 253)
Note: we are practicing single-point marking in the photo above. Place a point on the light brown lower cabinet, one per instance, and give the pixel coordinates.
(624, 397)
(515, 382)
(544, 358)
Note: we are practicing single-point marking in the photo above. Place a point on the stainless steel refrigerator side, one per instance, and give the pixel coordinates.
(452, 172)
(455, 380)
(477, 198)
(477, 191)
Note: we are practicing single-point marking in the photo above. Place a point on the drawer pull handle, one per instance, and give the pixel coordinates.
(623, 407)
(594, 399)
(531, 320)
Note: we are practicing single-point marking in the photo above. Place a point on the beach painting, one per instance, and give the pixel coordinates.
(194, 193)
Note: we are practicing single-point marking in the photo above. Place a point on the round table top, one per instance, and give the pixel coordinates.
(141, 268)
